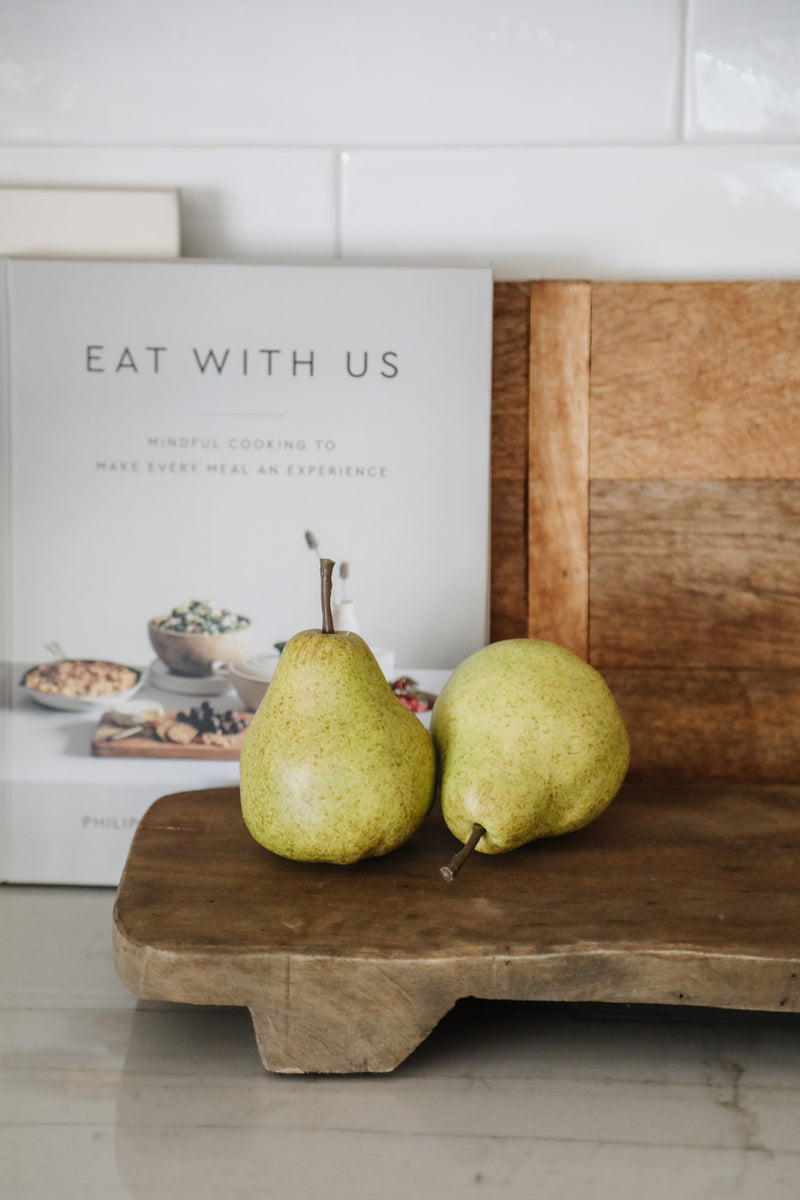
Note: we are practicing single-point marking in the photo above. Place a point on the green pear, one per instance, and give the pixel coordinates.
(334, 768)
(530, 744)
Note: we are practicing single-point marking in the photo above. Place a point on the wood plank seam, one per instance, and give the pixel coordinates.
(509, 460)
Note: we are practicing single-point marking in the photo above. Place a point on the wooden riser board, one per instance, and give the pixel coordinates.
(676, 895)
(646, 507)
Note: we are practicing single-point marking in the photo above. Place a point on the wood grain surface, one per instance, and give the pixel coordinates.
(349, 968)
(711, 725)
(695, 380)
(558, 464)
(692, 574)
(509, 461)
(646, 496)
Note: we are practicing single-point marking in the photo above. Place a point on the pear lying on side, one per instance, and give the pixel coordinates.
(334, 768)
(530, 744)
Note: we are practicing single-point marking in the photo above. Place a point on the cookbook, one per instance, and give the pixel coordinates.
(199, 433)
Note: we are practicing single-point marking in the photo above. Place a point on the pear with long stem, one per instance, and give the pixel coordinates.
(334, 768)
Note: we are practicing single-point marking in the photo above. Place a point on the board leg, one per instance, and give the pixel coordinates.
(345, 1016)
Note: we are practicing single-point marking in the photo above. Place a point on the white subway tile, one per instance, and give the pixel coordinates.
(314, 73)
(233, 202)
(743, 69)
(682, 212)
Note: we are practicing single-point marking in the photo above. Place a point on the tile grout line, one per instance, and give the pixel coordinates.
(339, 161)
(633, 146)
(684, 73)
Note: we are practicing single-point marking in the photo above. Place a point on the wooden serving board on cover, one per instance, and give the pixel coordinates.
(147, 745)
(676, 895)
(646, 514)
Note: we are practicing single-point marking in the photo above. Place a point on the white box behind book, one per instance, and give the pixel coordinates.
(80, 222)
(173, 430)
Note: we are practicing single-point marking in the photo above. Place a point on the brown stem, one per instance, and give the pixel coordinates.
(326, 566)
(449, 872)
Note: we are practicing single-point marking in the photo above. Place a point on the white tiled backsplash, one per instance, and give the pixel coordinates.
(555, 138)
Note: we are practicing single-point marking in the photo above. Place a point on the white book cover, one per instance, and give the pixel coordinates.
(191, 429)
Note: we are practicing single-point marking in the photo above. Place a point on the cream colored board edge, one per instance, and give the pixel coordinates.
(54, 222)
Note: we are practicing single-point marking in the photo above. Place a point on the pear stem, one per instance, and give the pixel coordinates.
(326, 566)
(449, 872)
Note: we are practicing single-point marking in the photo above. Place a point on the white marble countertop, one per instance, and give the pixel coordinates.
(102, 1096)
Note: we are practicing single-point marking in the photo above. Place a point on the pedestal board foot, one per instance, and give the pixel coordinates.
(345, 1017)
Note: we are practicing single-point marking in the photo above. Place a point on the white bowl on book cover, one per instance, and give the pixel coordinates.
(100, 702)
(250, 676)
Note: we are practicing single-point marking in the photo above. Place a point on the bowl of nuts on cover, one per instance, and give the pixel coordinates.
(195, 635)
